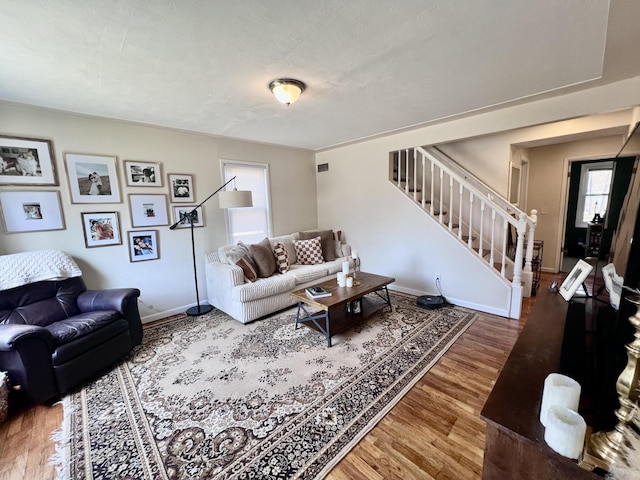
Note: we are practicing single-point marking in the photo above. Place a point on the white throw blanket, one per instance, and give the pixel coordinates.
(29, 267)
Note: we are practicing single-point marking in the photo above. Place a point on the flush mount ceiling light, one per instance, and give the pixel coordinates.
(287, 90)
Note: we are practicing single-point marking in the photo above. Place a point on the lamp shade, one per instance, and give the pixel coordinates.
(287, 90)
(235, 199)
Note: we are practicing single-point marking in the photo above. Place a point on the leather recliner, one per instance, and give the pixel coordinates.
(55, 335)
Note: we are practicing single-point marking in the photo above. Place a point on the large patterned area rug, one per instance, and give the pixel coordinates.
(207, 397)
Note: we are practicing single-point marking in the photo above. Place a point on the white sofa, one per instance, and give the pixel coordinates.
(229, 290)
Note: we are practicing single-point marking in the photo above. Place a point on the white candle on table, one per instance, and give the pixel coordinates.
(349, 282)
(345, 268)
(565, 431)
(559, 390)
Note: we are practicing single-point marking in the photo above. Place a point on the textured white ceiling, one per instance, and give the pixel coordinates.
(371, 66)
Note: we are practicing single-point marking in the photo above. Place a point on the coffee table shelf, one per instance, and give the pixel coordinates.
(332, 317)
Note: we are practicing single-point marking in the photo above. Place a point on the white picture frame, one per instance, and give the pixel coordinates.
(575, 279)
(181, 188)
(180, 210)
(27, 161)
(32, 211)
(148, 210)
(143, 245)
(143, 174)
(92, 178)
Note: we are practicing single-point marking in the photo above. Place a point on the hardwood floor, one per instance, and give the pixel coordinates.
(435, 432)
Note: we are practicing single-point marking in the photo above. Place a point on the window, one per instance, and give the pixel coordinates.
(595, 187)
(249, 225)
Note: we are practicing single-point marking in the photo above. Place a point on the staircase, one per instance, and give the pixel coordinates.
(499, 234)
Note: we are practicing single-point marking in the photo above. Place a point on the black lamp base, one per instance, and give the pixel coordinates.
(199, 310)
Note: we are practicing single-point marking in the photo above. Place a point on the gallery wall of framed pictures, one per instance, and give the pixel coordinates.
(32, 200)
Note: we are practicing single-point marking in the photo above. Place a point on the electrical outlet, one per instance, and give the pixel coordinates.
(437, 277)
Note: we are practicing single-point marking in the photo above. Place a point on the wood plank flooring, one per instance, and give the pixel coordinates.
(435, 432)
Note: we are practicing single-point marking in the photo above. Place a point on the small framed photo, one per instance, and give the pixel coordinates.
(142, 174)
(148, 210)
(101, 229)
(181, 188)
(354, 307)
(143, 245)
(575, 280)
(27, 161)
(31, 211)
(181, 212)
(92, 178)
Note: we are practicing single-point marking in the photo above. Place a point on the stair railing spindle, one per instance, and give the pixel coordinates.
(481, 243)
(461, 189)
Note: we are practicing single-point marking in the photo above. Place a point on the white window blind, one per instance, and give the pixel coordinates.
(252, 224)
(595, 187)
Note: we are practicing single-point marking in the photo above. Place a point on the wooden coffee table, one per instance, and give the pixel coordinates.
(333, 317)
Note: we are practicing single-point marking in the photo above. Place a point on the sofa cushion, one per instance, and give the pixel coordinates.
(326, 240)
(287, 241)
(75, 345)
(309, 252)
(282, 257)
(263, 287)
(307, 273)
(67, 330)
(262, 254)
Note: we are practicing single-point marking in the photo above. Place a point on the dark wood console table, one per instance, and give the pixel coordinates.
(514, 444)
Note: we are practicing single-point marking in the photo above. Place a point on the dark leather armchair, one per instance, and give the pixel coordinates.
(55, 335)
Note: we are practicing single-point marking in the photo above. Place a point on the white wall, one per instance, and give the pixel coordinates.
(396, 239)
(167, 283)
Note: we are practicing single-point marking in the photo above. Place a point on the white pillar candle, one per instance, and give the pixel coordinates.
(345, 268)
(341, 279)
(349, 282)
(559, 390)
(565, 431)
(354, 254)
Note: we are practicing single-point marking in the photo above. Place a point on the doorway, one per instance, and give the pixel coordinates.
(586, 205)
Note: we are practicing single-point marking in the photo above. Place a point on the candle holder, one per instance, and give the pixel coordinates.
(604, 449)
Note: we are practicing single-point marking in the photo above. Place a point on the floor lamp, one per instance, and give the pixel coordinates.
(228, 199)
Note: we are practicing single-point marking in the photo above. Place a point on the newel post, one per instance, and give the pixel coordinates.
(527, 272)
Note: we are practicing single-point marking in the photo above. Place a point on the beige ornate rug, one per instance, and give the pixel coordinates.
(208, 397)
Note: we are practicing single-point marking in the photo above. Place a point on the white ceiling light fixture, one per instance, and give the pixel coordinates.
(287, 90)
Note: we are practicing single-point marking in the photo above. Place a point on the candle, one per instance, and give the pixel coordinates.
(565, 431)
(341, 279)
(345, 268)
(354, 254)
(349, 282)
(559, 390)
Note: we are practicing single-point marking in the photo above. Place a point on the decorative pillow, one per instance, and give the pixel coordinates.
(337, 240)
(235, 253)
(326, 241)
(282, 258)
(263, 257)
(309, 252)
(249, 268)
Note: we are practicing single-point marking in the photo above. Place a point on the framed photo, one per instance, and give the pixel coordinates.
(575, 279)
(101, 229)
(181, 188)
(180, 212)
(143, 245)
(92, 178)
(148, 210)
(31, 211)
(142, 174)
(27, 161)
